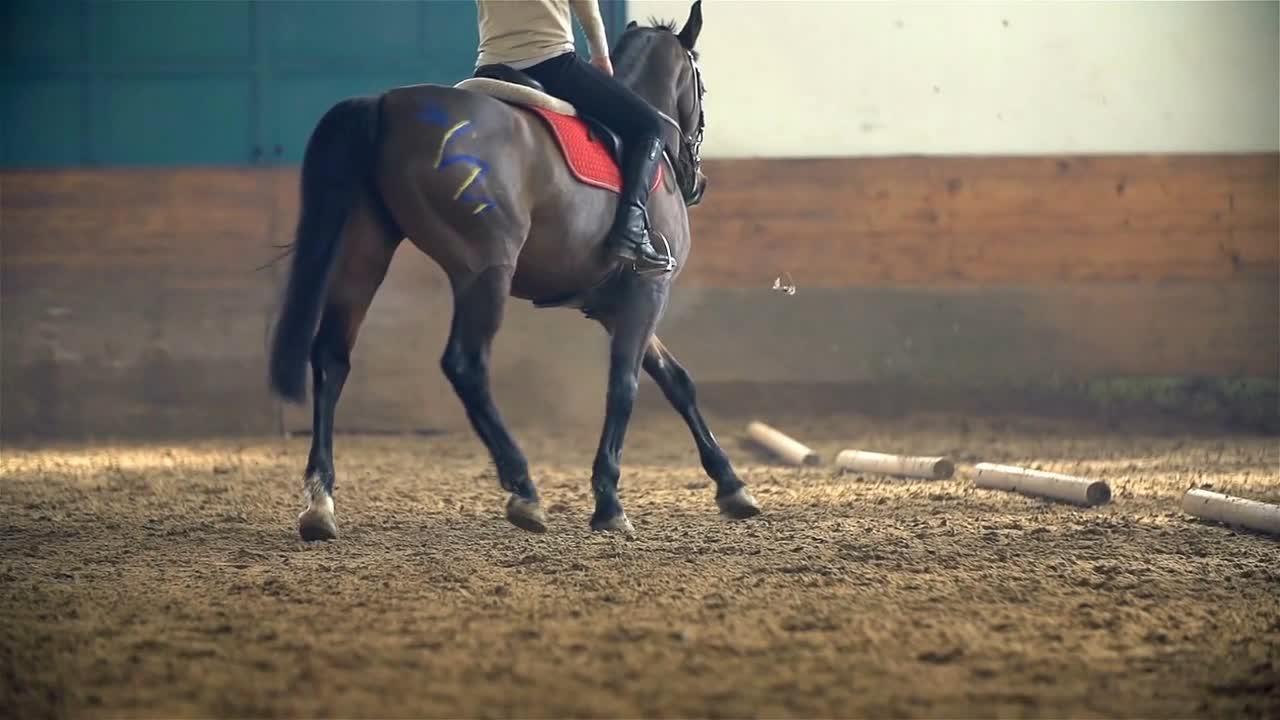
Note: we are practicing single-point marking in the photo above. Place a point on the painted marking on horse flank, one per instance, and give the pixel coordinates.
(433, 115)
(445, 140)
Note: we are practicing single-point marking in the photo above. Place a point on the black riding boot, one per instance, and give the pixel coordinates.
(629, 237)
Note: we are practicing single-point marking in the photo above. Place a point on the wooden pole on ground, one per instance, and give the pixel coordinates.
(1229, 510)
(786, 448)
(1056, 486)
(931, 468)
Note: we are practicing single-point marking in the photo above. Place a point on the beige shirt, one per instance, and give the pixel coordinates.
(521, 33)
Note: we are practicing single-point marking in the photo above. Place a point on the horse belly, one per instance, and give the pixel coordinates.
(564, 250)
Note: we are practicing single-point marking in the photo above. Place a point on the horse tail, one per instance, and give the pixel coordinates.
(338, 165)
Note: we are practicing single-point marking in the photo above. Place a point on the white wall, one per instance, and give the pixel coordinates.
(846, 77)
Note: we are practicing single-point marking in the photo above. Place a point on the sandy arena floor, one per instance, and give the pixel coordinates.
(168, 582)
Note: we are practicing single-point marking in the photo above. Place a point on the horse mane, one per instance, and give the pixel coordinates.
(670, 26)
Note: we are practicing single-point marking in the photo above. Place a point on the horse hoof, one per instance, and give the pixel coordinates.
(526, 514)
(617, 523)
(738, 505)
(317, 524)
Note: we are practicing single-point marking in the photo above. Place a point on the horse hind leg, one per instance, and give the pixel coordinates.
(368, 243)
(732, 496)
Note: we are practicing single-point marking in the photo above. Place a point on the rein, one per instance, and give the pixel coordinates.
(690, 144)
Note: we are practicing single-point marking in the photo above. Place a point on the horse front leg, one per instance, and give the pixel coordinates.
(630, 327)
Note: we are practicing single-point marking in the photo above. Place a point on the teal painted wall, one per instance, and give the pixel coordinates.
(225, 82)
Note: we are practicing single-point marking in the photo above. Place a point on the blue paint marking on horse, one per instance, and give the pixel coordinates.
(432, 114)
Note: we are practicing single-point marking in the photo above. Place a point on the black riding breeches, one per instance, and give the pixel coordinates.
(594, 93)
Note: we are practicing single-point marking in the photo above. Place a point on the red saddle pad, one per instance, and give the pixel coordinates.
(588, 159)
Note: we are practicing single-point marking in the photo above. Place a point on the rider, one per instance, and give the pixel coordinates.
(536, 37)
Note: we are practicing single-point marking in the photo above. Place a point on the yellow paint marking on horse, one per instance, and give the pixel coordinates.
(475, 172)
(445, 141)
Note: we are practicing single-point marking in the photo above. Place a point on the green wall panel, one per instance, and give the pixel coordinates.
(212, 82)
(153, 120)
(451, 40)
(174, 30)
(323, 52)
(42, 31)
(42, 121)
(345, 30)
(298, 103)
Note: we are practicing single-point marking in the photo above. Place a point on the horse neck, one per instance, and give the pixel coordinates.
(643, 79)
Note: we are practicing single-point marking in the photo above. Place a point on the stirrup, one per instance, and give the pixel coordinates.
(668, 267)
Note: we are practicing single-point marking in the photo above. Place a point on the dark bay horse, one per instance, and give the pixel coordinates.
(478, 185)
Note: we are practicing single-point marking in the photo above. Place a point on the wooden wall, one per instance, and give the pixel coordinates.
(981, 222)
(132, 301)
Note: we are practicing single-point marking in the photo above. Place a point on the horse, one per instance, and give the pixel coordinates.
(477, 183)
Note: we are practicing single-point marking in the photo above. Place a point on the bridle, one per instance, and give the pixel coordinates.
(690, 145)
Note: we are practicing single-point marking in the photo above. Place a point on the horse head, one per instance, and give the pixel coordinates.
(660, 64)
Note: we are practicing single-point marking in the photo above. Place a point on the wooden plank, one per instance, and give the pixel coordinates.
(132, 304)
(750, 253)
(992, 205)
(191, 226)
(124, 356)
(972, 335)
(987, 221)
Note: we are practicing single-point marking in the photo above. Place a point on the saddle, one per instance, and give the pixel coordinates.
(498, 72)
(506, 73)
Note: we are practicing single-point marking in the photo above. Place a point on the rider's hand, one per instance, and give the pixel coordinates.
(603, 63)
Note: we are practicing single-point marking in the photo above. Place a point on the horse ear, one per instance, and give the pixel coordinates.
(692, 26)
(632, 24)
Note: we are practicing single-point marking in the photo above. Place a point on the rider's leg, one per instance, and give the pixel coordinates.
(598, 95)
